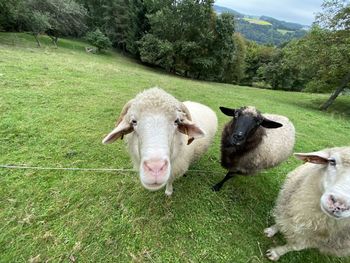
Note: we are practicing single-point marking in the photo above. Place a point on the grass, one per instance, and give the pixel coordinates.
(56, 105)
(257, 21)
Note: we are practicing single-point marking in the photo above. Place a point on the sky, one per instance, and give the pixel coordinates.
(297, 11)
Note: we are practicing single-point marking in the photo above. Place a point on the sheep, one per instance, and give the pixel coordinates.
(313, 207)
(251, 142)
(163, 136)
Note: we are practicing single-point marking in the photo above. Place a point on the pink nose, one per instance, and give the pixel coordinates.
(155, 168)
(336, 204)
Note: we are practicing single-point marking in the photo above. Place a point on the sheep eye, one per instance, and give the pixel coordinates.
(177, 122)
(133, 122)
(332, 162)
(258, 121)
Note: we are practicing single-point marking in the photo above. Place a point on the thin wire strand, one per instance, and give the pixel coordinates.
(66, 168)
(5, 166)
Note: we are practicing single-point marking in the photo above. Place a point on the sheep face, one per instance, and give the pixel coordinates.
(156, 135)
(246, 121)
(334, 165)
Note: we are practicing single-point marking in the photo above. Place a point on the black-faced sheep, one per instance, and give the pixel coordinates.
(252, 141)
(164, 136)
(313, 206)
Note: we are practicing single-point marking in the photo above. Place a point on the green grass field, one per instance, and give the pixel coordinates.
(56, 105)
(257, 21)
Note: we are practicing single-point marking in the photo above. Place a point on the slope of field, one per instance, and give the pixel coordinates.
(56, 105)
(257, 21)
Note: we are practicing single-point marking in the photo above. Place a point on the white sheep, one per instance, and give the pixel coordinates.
(252, 141)
(164, 136)
(313, 206)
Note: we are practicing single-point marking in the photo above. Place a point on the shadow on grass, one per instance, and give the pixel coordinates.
(339, 108)
(27, 40)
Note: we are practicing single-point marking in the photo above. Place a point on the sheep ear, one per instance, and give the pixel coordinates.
(313, 157)
(122, 126)
(266, 123)
(191, 130)
(228, 111)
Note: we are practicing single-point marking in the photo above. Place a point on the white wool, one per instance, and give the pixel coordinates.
(299, 216)
(158, 101)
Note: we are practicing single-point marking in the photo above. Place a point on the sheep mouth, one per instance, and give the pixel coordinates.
(335, 214)
(153, 187)
(234, 143)
(237, 143)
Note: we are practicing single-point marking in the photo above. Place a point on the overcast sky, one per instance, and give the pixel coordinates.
(298, 11)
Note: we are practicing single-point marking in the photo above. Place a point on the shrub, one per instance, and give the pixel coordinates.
(98, 39)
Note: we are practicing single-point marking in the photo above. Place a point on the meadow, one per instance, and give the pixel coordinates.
(56, 105)
(257, 21)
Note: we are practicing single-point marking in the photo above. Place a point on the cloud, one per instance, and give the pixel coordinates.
(298, 11)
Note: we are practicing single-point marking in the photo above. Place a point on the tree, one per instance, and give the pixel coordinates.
(187, 38)
(54, 17)
(124, 22)
(9, 12)
(224, 48)
(256, 56)
(137, 25)
(157, 52)
(239, 65)
(335, 18)
(98, 39)
(285, 70)
(115, 22)
(67, 18)
(38, 23)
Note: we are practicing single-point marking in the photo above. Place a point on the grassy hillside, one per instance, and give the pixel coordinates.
(257, 21)
(56, 105)
(264, 29)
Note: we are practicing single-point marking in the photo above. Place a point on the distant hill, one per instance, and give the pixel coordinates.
(221, 9)
(264, 29)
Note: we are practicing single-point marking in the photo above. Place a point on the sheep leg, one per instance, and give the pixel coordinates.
(218, 186)
(275, 253)
(169, 186)
(271, 231)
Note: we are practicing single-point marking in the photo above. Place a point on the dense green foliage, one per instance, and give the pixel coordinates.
(98, 39)
(267, 34)
(56, 18)
(187, 38)
(122, 21)
(56, 105)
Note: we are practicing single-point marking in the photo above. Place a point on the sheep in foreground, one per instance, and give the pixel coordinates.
(313, 207)
(164, 136)
(252, 141)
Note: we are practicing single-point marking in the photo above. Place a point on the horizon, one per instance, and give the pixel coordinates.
(301, 12)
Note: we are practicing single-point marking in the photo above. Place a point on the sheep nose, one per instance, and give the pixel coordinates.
(336, 204)
(156, 167)
(238, 135)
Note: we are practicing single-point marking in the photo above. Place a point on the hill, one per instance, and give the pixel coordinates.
(264, 29)
(56, 105)
(222, 9)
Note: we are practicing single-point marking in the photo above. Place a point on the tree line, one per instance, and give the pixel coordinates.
(187, 38)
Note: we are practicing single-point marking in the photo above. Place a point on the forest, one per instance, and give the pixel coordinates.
(188, 38)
